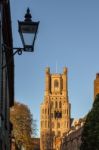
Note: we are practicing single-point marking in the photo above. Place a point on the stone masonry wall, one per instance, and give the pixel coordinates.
(72, 141)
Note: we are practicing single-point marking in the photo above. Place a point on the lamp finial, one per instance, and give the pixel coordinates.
(28, 15)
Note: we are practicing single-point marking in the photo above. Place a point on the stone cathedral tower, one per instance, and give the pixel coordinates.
(55, 110)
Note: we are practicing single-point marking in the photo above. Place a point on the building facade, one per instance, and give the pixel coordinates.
(72, 139)
(96, 85)
(55, 110)
(6, 75)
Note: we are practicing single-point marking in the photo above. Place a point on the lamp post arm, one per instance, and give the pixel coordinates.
(17, 51)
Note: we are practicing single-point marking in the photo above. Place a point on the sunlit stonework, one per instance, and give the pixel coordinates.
(96, 85)
(55, 110)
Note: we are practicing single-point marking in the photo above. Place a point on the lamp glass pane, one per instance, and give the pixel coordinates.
(28, 38)
(28, 32)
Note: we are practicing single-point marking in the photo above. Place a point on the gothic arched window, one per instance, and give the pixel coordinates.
(56, 83)
(56, 105)
(45, 124)
(60, 104)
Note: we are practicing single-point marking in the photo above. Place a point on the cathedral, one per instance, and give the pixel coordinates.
(55, 110)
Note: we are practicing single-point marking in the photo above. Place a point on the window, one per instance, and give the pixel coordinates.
(60, 104)
(55, 83)
(58, 114)
(45, 124)
(56, 86)
(56, 104)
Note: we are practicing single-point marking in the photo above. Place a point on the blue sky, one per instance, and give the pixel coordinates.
(69, 35)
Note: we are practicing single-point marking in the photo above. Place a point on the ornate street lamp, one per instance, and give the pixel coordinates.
(28, 30)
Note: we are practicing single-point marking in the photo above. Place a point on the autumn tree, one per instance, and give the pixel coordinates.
(90, 134)
(23, 124)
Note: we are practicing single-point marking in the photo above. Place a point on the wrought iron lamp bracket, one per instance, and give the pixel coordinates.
(17, 51)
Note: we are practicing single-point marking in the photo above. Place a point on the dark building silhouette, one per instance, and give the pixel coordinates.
(6, 75)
